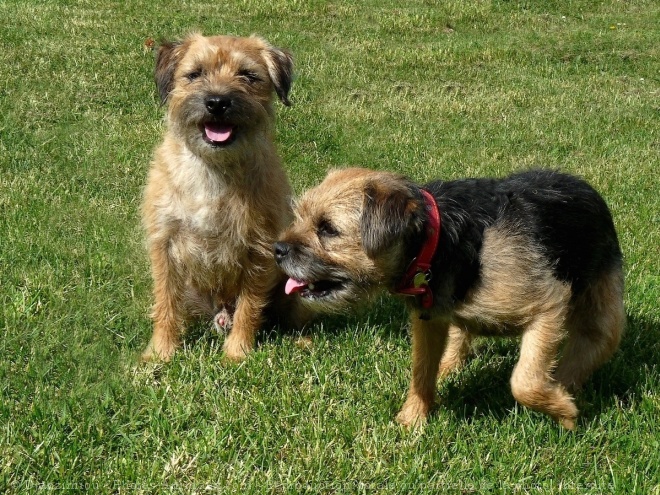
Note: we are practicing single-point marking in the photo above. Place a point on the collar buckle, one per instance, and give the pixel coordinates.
(422, 279)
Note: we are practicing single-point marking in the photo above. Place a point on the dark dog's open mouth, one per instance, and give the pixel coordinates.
(313, 290)
(218, 134)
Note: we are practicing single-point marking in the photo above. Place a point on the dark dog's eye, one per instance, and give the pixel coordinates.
(326, 229)
(249, 76)
(194, 75)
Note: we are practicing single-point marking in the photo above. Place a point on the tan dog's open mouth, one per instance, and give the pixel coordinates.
(218, 134)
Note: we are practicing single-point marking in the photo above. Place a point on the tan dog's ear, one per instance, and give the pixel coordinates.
(391, 209)
(280, 70)
(168, 57)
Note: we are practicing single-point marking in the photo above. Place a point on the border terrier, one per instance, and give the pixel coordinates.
(217, 195)
(534, 255)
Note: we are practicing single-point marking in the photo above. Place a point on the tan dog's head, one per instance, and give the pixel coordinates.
(351, 235)
(219, 89)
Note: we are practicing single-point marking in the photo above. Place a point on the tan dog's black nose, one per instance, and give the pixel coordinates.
(217, 105)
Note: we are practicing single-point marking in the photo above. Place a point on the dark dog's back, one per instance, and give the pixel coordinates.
(562, 214)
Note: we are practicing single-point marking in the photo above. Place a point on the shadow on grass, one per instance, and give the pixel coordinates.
(627, 376)
(387, 313)
(482, 388)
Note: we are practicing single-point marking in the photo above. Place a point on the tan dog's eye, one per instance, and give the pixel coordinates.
(196, 74)
(326, 229)
(249, 76)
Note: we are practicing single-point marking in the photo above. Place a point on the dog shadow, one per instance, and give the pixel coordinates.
(387, 314)
(482, 388)
(384, 314)
(624, 379)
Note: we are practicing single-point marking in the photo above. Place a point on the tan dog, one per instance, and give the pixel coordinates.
(534, 254)
(217, 195)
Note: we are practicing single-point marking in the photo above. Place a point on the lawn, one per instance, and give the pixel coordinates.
(430, 89)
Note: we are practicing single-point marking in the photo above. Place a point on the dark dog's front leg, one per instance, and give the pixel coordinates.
(428, 340)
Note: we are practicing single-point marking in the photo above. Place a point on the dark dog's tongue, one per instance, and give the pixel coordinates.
(293, 285)
(218, 133)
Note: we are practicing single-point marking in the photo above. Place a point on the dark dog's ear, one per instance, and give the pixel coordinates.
(280, 70)
(391, 209)
(168, 57)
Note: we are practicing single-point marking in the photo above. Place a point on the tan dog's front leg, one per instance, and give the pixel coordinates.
(428, 340)
(167, 313)
(247, 320)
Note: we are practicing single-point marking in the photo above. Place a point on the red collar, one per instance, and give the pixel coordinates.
(416, 280)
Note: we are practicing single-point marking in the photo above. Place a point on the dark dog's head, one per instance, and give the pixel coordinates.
(219, 89)
(350, 236)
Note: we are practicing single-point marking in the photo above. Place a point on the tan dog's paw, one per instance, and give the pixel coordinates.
(413, 413)
(158, 351)
(236, 349)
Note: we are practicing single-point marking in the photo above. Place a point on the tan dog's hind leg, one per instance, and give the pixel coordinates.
(458, 348)
(531, 383)
(428, 341)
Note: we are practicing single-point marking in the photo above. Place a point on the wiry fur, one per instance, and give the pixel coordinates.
(212, 210)
(534, 254)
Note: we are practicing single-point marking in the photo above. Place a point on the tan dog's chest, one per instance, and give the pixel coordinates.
(209, 248)
(209, 235)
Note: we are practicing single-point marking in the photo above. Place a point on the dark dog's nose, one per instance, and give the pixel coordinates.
(281, 250)
(217, 105)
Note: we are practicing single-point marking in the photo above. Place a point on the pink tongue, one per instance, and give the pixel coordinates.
(293, 286)
(218, 133)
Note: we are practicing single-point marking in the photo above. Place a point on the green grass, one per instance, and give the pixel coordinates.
(431, 89)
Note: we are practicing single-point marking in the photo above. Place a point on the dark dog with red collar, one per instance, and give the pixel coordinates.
(534, 254)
